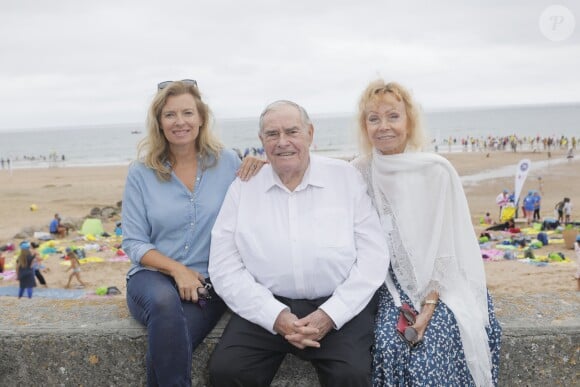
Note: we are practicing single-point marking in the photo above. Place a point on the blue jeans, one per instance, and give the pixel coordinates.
(174, 327)
(21, 292)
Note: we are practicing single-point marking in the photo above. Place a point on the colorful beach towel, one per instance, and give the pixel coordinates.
(492, 254)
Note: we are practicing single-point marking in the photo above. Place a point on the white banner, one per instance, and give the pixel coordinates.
(521, 174)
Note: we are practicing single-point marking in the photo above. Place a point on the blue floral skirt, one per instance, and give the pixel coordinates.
(438, 361)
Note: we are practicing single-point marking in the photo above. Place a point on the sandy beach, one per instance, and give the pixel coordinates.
(73, 192)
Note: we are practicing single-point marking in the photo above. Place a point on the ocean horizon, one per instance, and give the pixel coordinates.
(334, 135)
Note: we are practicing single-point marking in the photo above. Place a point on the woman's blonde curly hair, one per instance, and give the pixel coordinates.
(375, 93)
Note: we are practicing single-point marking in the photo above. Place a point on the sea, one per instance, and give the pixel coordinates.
(334, 135)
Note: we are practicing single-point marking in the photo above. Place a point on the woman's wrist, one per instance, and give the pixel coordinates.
(431, 301)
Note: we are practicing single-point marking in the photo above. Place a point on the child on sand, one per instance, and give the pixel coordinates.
(559, 211)
(37, 265)
(567, 210)
(24, 271)
(75, 266)
(487, 219)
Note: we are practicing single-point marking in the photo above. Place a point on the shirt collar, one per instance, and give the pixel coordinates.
(208, 159)
(313, 176)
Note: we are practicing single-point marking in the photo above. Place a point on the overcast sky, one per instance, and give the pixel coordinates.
(66, 63)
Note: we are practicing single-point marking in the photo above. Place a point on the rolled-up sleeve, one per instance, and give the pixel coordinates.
(136, 227)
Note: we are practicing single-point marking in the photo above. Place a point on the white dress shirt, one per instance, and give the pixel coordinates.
(322, 239)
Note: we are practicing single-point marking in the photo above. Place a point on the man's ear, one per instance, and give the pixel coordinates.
(311, 132)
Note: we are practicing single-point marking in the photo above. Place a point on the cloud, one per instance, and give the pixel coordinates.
(72, 63)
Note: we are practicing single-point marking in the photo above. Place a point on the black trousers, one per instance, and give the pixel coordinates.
(248, 355)
(40, 277)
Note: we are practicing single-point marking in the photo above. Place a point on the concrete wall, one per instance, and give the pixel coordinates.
(74, 343)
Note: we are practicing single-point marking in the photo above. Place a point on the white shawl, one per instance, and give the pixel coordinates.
(420, 197)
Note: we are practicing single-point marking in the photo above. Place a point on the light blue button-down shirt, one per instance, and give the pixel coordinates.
(168, 217)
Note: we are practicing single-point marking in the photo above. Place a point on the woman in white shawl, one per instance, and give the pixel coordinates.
(436, 266)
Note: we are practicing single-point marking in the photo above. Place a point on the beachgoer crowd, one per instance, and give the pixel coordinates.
(512, 143)
(51, 158)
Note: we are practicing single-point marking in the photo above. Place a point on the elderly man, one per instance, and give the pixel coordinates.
(297, 253)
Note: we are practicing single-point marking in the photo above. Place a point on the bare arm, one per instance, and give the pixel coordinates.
(424, 317)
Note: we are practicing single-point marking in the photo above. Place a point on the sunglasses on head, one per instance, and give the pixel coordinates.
(408, 334)
(163, 85)
(408, 315)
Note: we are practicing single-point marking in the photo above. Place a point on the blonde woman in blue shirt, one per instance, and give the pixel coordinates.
(172, 196)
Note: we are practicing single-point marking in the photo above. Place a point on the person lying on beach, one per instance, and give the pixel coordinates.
(510, 224)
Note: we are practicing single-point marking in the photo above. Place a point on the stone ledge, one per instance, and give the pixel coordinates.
(59, 343)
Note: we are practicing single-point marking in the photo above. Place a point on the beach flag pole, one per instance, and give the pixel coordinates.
(521, 174)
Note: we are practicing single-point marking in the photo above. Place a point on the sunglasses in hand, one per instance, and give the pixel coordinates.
(203, 294)
(407, 333)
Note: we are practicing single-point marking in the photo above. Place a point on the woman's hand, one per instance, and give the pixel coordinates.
(187, 281)
(250, 167)
(422, 321)
(424, 317)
